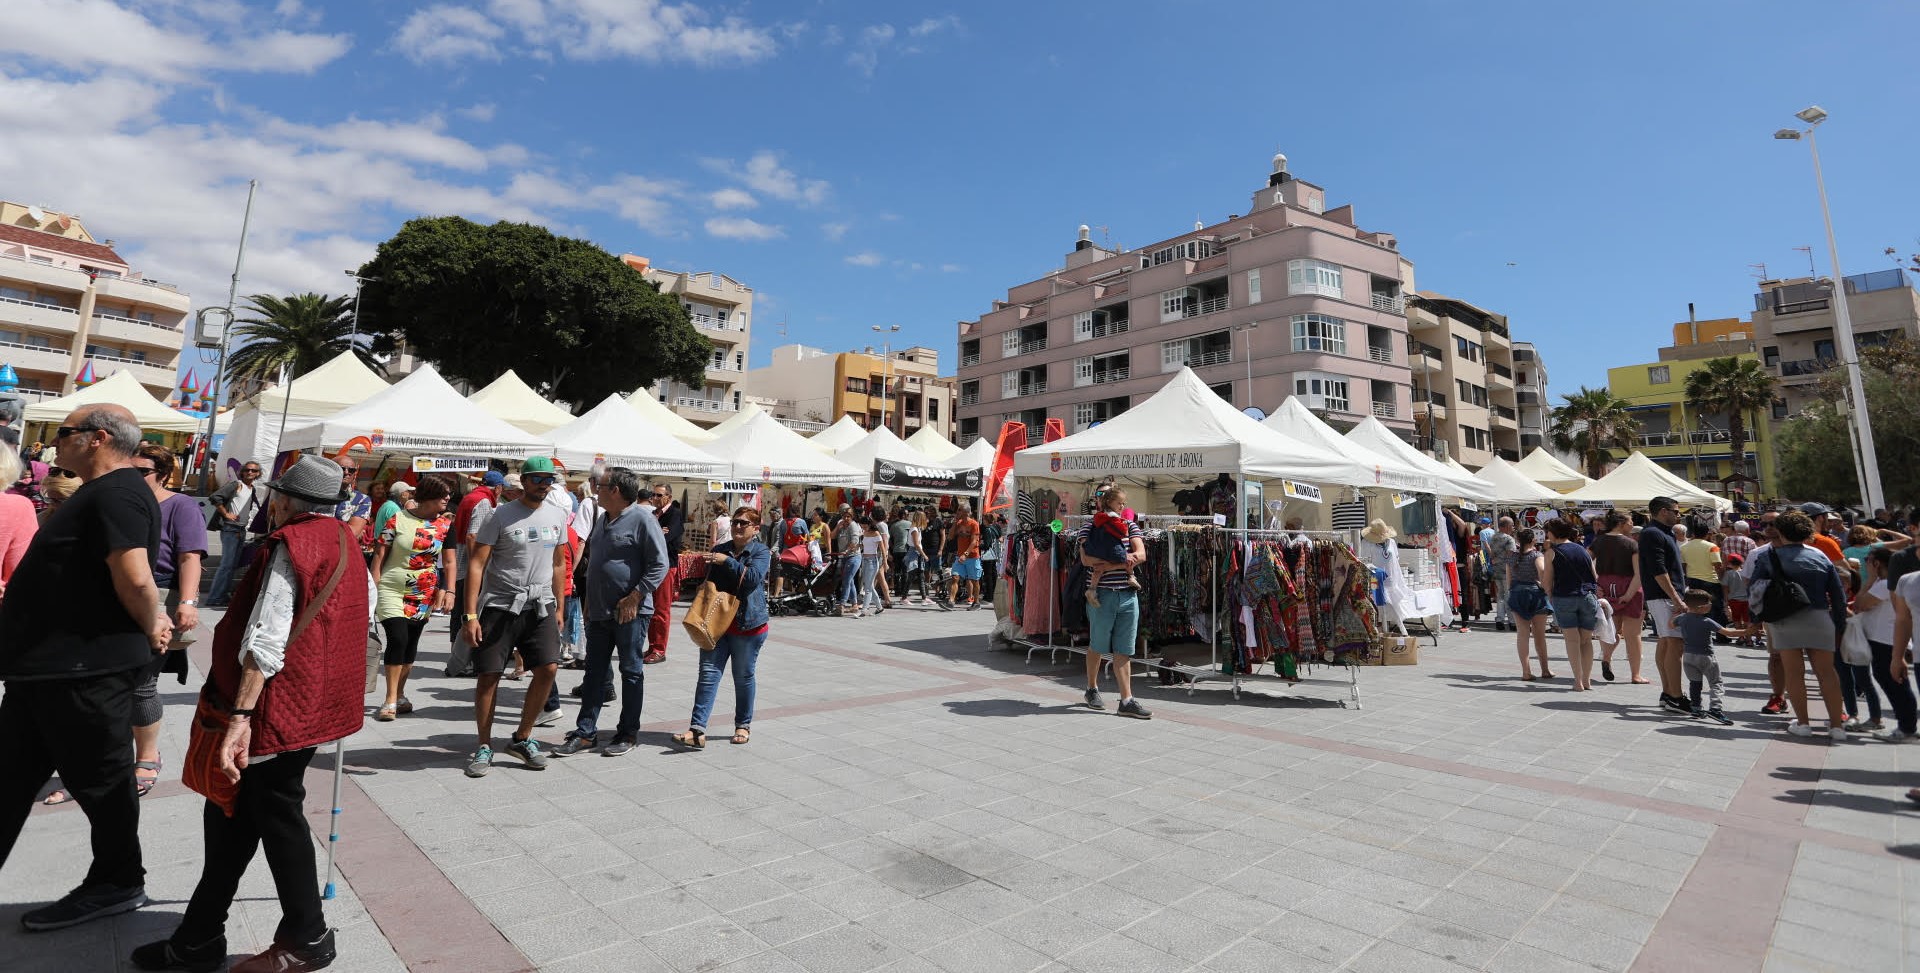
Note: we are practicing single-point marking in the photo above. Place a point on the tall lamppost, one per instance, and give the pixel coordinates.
(886, 371)
(1861, 424)
(357, 282)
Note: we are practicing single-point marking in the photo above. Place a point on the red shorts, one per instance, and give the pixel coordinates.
(1612, 586)
(1737, 612)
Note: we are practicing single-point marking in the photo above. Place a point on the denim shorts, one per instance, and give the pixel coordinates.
(1576, 611)
(1526, 600)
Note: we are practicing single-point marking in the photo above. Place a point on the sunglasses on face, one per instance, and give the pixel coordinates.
(536, 478)
(250, 471)
(738, 523)
(65, 431)
(58, 473)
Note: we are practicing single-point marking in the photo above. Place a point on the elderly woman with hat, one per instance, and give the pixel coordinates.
(287, 664)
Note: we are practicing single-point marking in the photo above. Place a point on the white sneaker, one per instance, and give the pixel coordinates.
(1894, 736)
(1837, 734)
(1799, 729)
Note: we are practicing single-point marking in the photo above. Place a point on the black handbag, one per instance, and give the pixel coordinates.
(1784, 596)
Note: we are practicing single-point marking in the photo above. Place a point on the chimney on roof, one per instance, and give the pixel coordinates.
(107, 243)
(1086, 238)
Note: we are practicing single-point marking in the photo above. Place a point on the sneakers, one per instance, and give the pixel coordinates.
(1799, 730)
(1093, 700)
(480, 762)
(973, 605)
(1775, 706)
(167, 955)
(620, 747)
(944, 605)
(1894, 736)
(1717, 716)
(528, 751)
(547, 717)
(1132, 708)
(85, 903)
(1675, 704)
(279, 958)
(1837, 734)
(575, 743)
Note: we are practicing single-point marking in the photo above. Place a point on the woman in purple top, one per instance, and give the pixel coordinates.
(176, 571)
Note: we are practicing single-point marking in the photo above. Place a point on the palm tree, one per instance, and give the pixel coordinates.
(1590, 424)
(1735, 387)
(301, 332)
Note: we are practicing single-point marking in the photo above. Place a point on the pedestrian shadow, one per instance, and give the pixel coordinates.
(1847, 775)
(408, 755)
(1866, 803)
(1009, 707)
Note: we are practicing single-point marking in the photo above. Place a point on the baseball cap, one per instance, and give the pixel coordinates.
(493, 479)
(1486, 520)
(537, 464)
(1814, 508)
(512, 481)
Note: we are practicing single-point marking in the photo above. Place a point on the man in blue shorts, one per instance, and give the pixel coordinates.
(964, 540)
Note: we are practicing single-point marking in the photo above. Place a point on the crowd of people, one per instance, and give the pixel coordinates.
(1794, 581)
(872, 557)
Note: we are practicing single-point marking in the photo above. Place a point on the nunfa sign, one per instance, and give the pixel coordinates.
(889, 475)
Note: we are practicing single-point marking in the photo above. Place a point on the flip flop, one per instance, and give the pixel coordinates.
(143, 785)
(62, 797)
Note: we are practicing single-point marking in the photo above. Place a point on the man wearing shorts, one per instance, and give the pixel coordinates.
(518, 568)
(1664, 582)
(964, 539)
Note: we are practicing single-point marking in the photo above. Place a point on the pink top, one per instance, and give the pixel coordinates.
(17, 524)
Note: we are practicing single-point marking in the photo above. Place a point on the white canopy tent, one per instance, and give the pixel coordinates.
(1545, 469)
(764, 451)
(843, 433)
(419, 416)
(1639, 480)
(1186, 430)
(123, 390)
(979, 454)
(255, 433)
(513, 400)
(1294, 419)
(936, 447)
(1511, 486)
(740, 418)
(607, 433)
(1373, 435)
(881, 444)
(652, 411)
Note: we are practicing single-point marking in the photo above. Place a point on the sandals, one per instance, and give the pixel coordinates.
(692, 739)
(742, 735)
(405, 707)
(142, 786)
(59, 797)
(386, 713)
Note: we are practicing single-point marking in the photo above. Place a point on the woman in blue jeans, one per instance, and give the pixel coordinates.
(739, 568)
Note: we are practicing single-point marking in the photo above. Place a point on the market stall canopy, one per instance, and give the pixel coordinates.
(843, 433)
(421, 415)
(764, 451)
(120, 389)
(515, 401)
(740, 418)
(936, 447)
(650, 409)
(1374, 435)
(1184, 430)
(979, 454)
(1639, 480)
(1545, 469)
(1294, 419)
(338, 383)
(1512, 486)
(607, 434)
(882, 444)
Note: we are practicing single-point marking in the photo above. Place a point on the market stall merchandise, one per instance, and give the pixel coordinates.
(936, 447)
(608, 434)
(419, 415)
(843, 433)
(1294, 419)
(515, 401)
(120, 389)
(1545, 469)
(653, 412)
(764, 451)
(1638, 480)
(1514, 487)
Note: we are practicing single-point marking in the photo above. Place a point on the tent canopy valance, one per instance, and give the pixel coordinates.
(421, 415)
(123, 390)
(1294, 419)
(613, 434)
(513, 400)
(1639, 480)
(1374, 435)
(764, 451)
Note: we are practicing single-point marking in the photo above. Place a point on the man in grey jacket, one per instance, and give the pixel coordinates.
(626, 563)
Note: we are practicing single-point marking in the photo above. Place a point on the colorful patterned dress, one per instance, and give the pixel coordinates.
(410, 576)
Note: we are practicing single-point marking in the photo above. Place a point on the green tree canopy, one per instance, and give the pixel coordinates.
(302, 332)
(1736, 388)
(569, 317)
(1814, 452)
(1590, 424)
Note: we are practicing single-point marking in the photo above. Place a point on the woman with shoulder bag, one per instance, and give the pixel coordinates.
(739, 568)
(1808, 632)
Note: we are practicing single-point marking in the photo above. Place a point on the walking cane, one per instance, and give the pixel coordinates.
(333, 835)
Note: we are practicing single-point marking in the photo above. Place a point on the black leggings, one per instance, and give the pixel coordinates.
(1899, 694)
(403, 639)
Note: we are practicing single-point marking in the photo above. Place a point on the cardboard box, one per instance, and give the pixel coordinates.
(1402, 651)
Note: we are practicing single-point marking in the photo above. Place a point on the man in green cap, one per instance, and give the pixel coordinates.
(519, 561)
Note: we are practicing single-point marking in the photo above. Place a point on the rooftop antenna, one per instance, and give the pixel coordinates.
(1759, 271)
(1811, 272)
(1893, 255)
(1106, 237)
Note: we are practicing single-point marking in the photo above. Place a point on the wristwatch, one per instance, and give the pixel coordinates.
(248, 712)
(190, 603)
(469, 617)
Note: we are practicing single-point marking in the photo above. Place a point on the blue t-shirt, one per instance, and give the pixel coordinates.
(1698, 632)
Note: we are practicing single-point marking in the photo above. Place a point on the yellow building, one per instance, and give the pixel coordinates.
(1689, 445)
(901, 389)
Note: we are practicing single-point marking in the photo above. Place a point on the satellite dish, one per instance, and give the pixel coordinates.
(39, 215)
(1255, 413)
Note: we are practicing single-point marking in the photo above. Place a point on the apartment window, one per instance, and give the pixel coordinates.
(1174, 303)
(1190, 250)
(1823, 351)
(736, 401)
(1010, 343)
(1471, 394)
(1467, 350)
(1770, 356)
(1659, 374)
(1317, 332)
(1474, 438)
(1253, 286)
(933, 410)
(1083, 326)
(1224, 390)
(1324, 392)
(969, 428)
(857, 386)
(15, 294)
(1779, 409)
(1313, 277)
(970, 352)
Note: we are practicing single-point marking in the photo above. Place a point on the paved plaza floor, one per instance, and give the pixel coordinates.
(915, 801)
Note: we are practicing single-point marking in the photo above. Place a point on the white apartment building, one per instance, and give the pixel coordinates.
(722, 308)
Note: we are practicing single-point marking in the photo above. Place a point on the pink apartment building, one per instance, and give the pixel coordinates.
(1290, 299)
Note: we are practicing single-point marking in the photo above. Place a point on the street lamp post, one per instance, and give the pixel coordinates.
(357, 282)
(886, 371)
(1861, 425)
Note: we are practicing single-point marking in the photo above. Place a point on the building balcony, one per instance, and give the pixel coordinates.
(33, 314)
(1024, 389)
(968, 361)
(694, 403)
(1391, 303)
(806, 427)
(1205, 360)
(1497, 421)
(135, 290)
(970, 398)
(1112, 375)
(1436, 407)
(1804, 367)
(39, 358)
(150, 373)
(1382, 355)
(1029, 347)
(1423, 357)
(152, 333)
(1499, 376)
(1386, 410)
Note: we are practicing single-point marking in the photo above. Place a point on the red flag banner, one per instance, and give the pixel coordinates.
(1013, 438)
(1056, 429)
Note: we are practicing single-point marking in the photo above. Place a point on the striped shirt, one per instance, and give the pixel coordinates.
(1740, 544)
(1115, 580)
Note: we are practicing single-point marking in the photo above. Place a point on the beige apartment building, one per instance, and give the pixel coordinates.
(1292, 298)
(66, 298)
(1793, 326)
(1530, 394)
(722, 308)
(1466, 402)
(901, 389)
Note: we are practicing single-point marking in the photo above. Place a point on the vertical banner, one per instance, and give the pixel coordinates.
(1056, 429)
(1013, 438)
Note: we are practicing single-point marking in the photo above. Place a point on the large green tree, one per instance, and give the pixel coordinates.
(1814, 452)
(1736, 388)
(301, 332)
(1590, 424)
(567, 316)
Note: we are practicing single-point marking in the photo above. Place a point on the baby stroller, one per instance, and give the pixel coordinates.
(801, 585)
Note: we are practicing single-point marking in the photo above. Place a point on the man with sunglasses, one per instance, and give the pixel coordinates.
(673, 523)
(234, 507)
(79, 626)
(356, 511)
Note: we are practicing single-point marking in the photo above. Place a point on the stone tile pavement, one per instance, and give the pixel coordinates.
(912, 801)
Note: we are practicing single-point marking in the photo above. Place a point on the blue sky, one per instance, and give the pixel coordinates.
(1587, 170)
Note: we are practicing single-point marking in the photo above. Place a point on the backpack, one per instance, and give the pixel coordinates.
(1783, 597)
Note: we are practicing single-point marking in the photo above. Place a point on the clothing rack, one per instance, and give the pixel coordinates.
(1069, 522)
(1352, 681)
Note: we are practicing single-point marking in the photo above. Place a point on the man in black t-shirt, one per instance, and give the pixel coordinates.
(79, 625)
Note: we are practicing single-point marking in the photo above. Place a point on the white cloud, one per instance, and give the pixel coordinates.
(732, 199)
(83, 34)
(741, 228)
(480, 112)
(835, 231)
(866, 258)
(934, 25)
(951, 268)
(764, 174)
(584, 30)
(886, 39)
